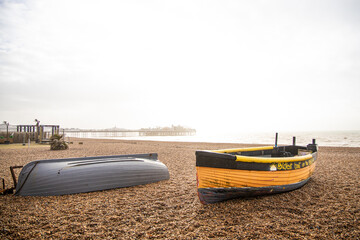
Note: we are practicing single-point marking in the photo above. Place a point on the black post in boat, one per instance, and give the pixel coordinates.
(312, 147)
(276, 151)
(294, 141)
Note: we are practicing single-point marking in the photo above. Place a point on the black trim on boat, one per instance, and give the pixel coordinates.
(228, 161)
(213, 195)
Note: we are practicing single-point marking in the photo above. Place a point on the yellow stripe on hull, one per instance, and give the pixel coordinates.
(231, 150)
(226, 178)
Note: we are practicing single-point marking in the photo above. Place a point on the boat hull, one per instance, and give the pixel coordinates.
(228, 174)
(213, 195)
(78, 175)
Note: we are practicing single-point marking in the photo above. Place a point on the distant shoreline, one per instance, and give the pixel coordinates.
(329, 139)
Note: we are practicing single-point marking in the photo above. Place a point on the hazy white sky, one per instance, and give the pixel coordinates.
(222, 65)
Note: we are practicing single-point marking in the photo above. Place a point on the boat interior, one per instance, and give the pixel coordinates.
(277, 151)
(280, 151)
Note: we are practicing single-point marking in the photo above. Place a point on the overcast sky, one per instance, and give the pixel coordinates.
(221, 65)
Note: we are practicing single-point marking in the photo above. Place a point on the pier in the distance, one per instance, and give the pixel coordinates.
(119, 132)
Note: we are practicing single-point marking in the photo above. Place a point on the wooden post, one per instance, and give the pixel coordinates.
(37, 130)
(41, 133)
(13, 174)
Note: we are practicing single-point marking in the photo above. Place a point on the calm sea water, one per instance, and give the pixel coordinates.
(336, 138)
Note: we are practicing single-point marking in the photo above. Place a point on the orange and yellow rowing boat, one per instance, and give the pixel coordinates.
(232, 173)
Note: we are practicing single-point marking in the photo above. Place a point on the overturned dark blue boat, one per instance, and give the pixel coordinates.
(88, 174)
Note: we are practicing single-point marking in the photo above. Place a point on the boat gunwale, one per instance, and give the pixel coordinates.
(148, 156)
(230, 150)
(241, 158)
(274, 159)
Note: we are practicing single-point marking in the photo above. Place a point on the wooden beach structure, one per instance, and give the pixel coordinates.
(5, 137)
(24, 133)
(39, 133)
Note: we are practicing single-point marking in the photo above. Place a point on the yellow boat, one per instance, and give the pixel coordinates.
(232, 173)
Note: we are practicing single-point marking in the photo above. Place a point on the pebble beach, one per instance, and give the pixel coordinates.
(327, 207)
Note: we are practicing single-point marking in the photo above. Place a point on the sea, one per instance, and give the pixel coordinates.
(322, 138)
